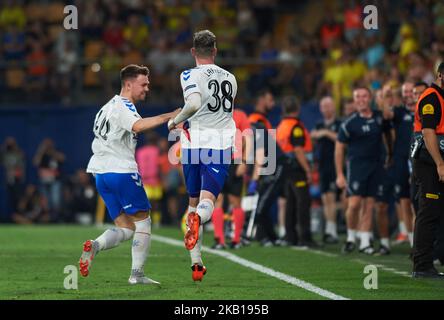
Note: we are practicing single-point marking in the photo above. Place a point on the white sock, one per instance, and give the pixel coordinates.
(205, 210)
(410, 235)
(330, 228)
(351, 235)
(385, 242)
(191, 209)
(195, 253)
(402, 228)
(141, 245)
(281, 231)
(113, 237)
(365, 240)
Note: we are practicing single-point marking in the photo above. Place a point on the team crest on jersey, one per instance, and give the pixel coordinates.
(186, 75)
(428, 109)
(408, 117)
(355, 185)
(380, 190)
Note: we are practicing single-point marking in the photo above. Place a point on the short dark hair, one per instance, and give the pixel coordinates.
(132, 71)
(290, 104)
(441, 67)
(204, 42)
(262, 93)
(420, 84)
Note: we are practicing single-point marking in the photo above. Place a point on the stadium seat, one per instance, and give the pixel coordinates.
(55, 13)
(54, 31)
(35, 11)
(90, 78)
(93, 49)
(15, 78)
(133, 56)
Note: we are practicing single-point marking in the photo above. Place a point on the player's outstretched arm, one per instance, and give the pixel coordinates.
(152, 122)
(192, 105)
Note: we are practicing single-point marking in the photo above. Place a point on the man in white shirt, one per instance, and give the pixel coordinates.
(207, 138)
(117, 178)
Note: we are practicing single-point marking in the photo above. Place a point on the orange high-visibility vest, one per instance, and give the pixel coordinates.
(284, 133)
(417, 123)
(259, 117)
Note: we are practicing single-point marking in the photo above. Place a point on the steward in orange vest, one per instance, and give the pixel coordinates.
(294, 140)
(428, 169)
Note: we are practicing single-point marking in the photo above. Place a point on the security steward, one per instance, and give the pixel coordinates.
(294, 140)
(428, 167)
(267, 186)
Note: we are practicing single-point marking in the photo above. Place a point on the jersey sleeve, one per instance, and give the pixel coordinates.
(297, 138)
(126, 115)
(344, 133)
(430, 111)
(189, 80)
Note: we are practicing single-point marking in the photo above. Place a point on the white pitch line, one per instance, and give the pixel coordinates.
(260, 268)
(383, 267)
(333, 255)
(321, 253)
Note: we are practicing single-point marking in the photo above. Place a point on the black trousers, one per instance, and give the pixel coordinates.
(268, 189)
(430, 212)
(297, 212)
(438, 248)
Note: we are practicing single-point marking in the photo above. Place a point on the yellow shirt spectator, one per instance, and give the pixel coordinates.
(13, 16)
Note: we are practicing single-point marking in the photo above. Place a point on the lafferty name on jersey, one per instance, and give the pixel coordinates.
(211, 71)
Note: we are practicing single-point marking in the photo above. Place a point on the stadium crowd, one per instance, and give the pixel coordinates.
(266, 44)
(289, 46)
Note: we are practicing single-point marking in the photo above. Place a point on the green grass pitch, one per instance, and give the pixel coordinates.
(33, 259)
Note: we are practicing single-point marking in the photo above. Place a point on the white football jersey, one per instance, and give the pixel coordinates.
(114, 144)
(212, 126)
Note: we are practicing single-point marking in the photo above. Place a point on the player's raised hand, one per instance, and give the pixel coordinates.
(171, 124)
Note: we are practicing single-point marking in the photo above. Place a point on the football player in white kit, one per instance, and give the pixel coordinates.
(207, 138)
(117, 178)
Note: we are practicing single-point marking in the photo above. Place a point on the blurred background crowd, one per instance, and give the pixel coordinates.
(305, 48)
(301, 47)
